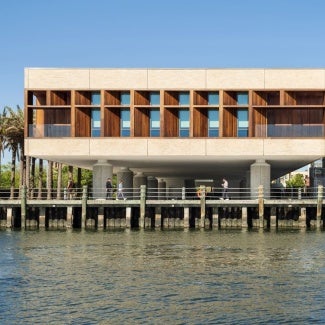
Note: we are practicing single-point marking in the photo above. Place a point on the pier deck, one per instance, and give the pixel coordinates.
(143, 210)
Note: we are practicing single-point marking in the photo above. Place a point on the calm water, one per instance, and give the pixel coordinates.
(162, 277)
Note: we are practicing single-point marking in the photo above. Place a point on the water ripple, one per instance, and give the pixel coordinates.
(139, 277)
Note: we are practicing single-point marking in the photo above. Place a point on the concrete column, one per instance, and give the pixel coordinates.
(128, 217)
(215, 218)
(157, 217)
(152, 191)
(84, 207)
(142, 206)
(41, 217)
(186, 218)
(319, 206)
(302, 218)
(100, 218)
(23, 207)
(244, 223)
(261, 206)
(273, 218)
(101, 171)
(202, 205)
(174, 187)
(260, 175)
(126, 175)
(248, 178)
(190, 187)
(9, 218)
(69, 217)
(161, 189)
(138, 180)
(243, 186)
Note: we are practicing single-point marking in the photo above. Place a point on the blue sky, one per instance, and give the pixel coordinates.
(168, 33)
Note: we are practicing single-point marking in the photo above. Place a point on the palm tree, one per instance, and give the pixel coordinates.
(59, 181)
(40, 178)
(31, 179)
(2, 135)
(49, 179)
(14, 137)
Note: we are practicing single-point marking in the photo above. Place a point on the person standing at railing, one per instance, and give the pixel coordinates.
(70, 188)
(225, 189)
(120, 194)
(109, 188)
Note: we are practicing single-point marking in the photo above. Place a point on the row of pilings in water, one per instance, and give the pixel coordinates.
(176, 217)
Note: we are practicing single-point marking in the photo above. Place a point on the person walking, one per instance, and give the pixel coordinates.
(109, 188)
(120, 194)
(225, 189)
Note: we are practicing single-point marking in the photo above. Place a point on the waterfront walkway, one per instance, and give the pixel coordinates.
(168, 208)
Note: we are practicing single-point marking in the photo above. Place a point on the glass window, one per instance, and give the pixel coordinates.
(242, 118)
(213, 120)
(184, 98)
(213, 98)
(95, 98)
(125, 122)
(155, 123)
(95, 122)
(125, 98)
(242, 98)
(154, 98)
(184, 122)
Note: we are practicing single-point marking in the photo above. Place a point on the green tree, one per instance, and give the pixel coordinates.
(2, 136)
(14, 138)
(296, 181)
(6, 177)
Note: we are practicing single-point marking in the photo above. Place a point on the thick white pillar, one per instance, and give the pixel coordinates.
(101, 171)
(161, 189)
(152, 188)
(174, 187)
(260, 175)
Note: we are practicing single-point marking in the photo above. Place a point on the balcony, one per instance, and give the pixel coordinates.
(290, 130)
(49, 130)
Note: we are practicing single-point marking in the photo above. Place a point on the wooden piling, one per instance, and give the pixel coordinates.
(202, 205)
(41, 221)
(84, 207)
(142, 206)
(244, 223)
(273, 218)
(157, 217)
(128, 217)
(261, 206)
(186, 218)
(319, 206)
(9, 218)
(100, 221)
(215, 218)
(69, 217)
(23, 202)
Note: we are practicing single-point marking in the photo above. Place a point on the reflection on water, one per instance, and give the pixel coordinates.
(162, 277)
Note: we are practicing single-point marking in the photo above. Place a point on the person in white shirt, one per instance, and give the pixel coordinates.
(120, 194)
(225, 189)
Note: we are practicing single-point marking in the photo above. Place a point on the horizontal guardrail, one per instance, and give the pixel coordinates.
(171, 193)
